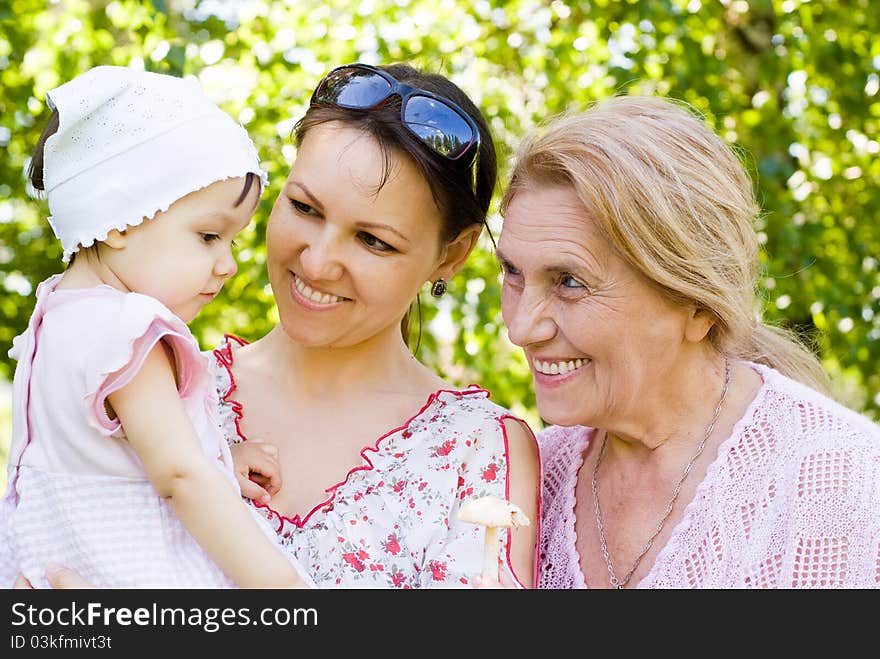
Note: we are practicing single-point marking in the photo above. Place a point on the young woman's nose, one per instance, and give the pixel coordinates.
(321, 260)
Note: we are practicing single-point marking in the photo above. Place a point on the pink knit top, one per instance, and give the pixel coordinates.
(792, 500)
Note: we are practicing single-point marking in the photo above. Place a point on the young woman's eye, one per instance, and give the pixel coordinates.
(302, 208)
(372, 242)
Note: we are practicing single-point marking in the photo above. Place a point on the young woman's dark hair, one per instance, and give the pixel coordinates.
(460, 205)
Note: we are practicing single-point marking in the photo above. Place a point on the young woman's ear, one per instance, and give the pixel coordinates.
(115, 239)
(456, 252)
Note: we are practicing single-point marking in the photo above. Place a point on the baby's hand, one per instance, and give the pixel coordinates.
(256, 469)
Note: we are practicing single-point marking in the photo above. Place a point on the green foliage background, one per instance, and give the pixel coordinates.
(793, 83)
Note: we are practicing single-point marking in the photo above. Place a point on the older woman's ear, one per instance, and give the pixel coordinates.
(698, 323)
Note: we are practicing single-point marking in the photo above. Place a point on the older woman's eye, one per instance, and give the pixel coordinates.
(508, 268)
(567, 281)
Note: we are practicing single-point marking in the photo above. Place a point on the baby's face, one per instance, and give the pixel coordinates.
(183, 255)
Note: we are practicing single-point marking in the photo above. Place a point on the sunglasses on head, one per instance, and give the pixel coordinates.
(437, 122)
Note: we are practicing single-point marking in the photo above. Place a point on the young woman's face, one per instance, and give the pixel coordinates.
(183, 255)
(345, 257)
(597, 336)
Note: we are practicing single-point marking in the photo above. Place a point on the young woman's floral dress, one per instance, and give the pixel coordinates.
(392, 520)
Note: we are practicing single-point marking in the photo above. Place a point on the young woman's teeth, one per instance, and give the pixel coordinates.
(315, 296)
(559, 368)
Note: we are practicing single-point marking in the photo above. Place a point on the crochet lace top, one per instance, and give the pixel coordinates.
(792, 500)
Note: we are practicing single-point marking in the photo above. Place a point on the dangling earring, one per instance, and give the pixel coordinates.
(439, 288)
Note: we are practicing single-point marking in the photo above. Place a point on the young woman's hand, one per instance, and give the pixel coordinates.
(505, 580)
(256, 469)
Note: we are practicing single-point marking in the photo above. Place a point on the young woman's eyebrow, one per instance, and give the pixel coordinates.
(313, 200)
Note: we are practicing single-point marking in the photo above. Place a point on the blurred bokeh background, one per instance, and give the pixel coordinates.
(792, 83)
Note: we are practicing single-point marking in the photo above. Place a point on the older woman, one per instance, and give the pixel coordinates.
(694, 446)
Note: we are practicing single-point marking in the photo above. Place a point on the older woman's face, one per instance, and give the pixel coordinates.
(344, 260)
(597, 336)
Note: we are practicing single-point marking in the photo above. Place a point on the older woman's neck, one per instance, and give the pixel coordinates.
(678, 410)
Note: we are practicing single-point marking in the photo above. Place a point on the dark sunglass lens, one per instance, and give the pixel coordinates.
(439, 126)
(354, 88)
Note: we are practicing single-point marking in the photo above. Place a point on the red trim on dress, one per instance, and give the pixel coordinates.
(226, 358)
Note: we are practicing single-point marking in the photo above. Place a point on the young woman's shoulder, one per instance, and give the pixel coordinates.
(476, 403)
(473, 407)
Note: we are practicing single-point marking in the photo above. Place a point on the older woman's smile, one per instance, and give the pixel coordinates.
(559, 366)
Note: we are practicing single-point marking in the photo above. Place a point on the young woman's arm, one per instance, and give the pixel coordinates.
(525, 492)
(159, 430)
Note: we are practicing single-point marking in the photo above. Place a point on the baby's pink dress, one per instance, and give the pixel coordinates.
(77, 493)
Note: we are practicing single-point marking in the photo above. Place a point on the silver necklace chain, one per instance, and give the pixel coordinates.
(620, 583)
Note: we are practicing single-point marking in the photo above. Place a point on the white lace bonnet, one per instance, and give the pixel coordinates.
(129, 144)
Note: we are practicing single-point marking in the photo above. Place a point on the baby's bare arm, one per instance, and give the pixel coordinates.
(159, 430)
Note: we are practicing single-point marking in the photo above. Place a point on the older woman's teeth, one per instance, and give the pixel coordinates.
(315, 296)
(559, 368)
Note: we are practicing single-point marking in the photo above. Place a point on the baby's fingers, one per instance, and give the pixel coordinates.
(267, 472)
(253, 491)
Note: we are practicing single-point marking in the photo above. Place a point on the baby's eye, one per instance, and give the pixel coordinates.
(374, 243)
(210, 237)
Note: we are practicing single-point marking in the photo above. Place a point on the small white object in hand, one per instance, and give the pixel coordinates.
(493, 513)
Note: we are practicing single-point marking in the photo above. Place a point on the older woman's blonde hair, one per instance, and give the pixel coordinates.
(675, 201)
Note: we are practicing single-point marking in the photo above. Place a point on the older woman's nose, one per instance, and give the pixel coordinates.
(528, 320)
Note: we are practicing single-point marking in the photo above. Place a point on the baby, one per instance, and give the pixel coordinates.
(117, 467)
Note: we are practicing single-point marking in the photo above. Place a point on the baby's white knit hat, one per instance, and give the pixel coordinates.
(131, 143)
